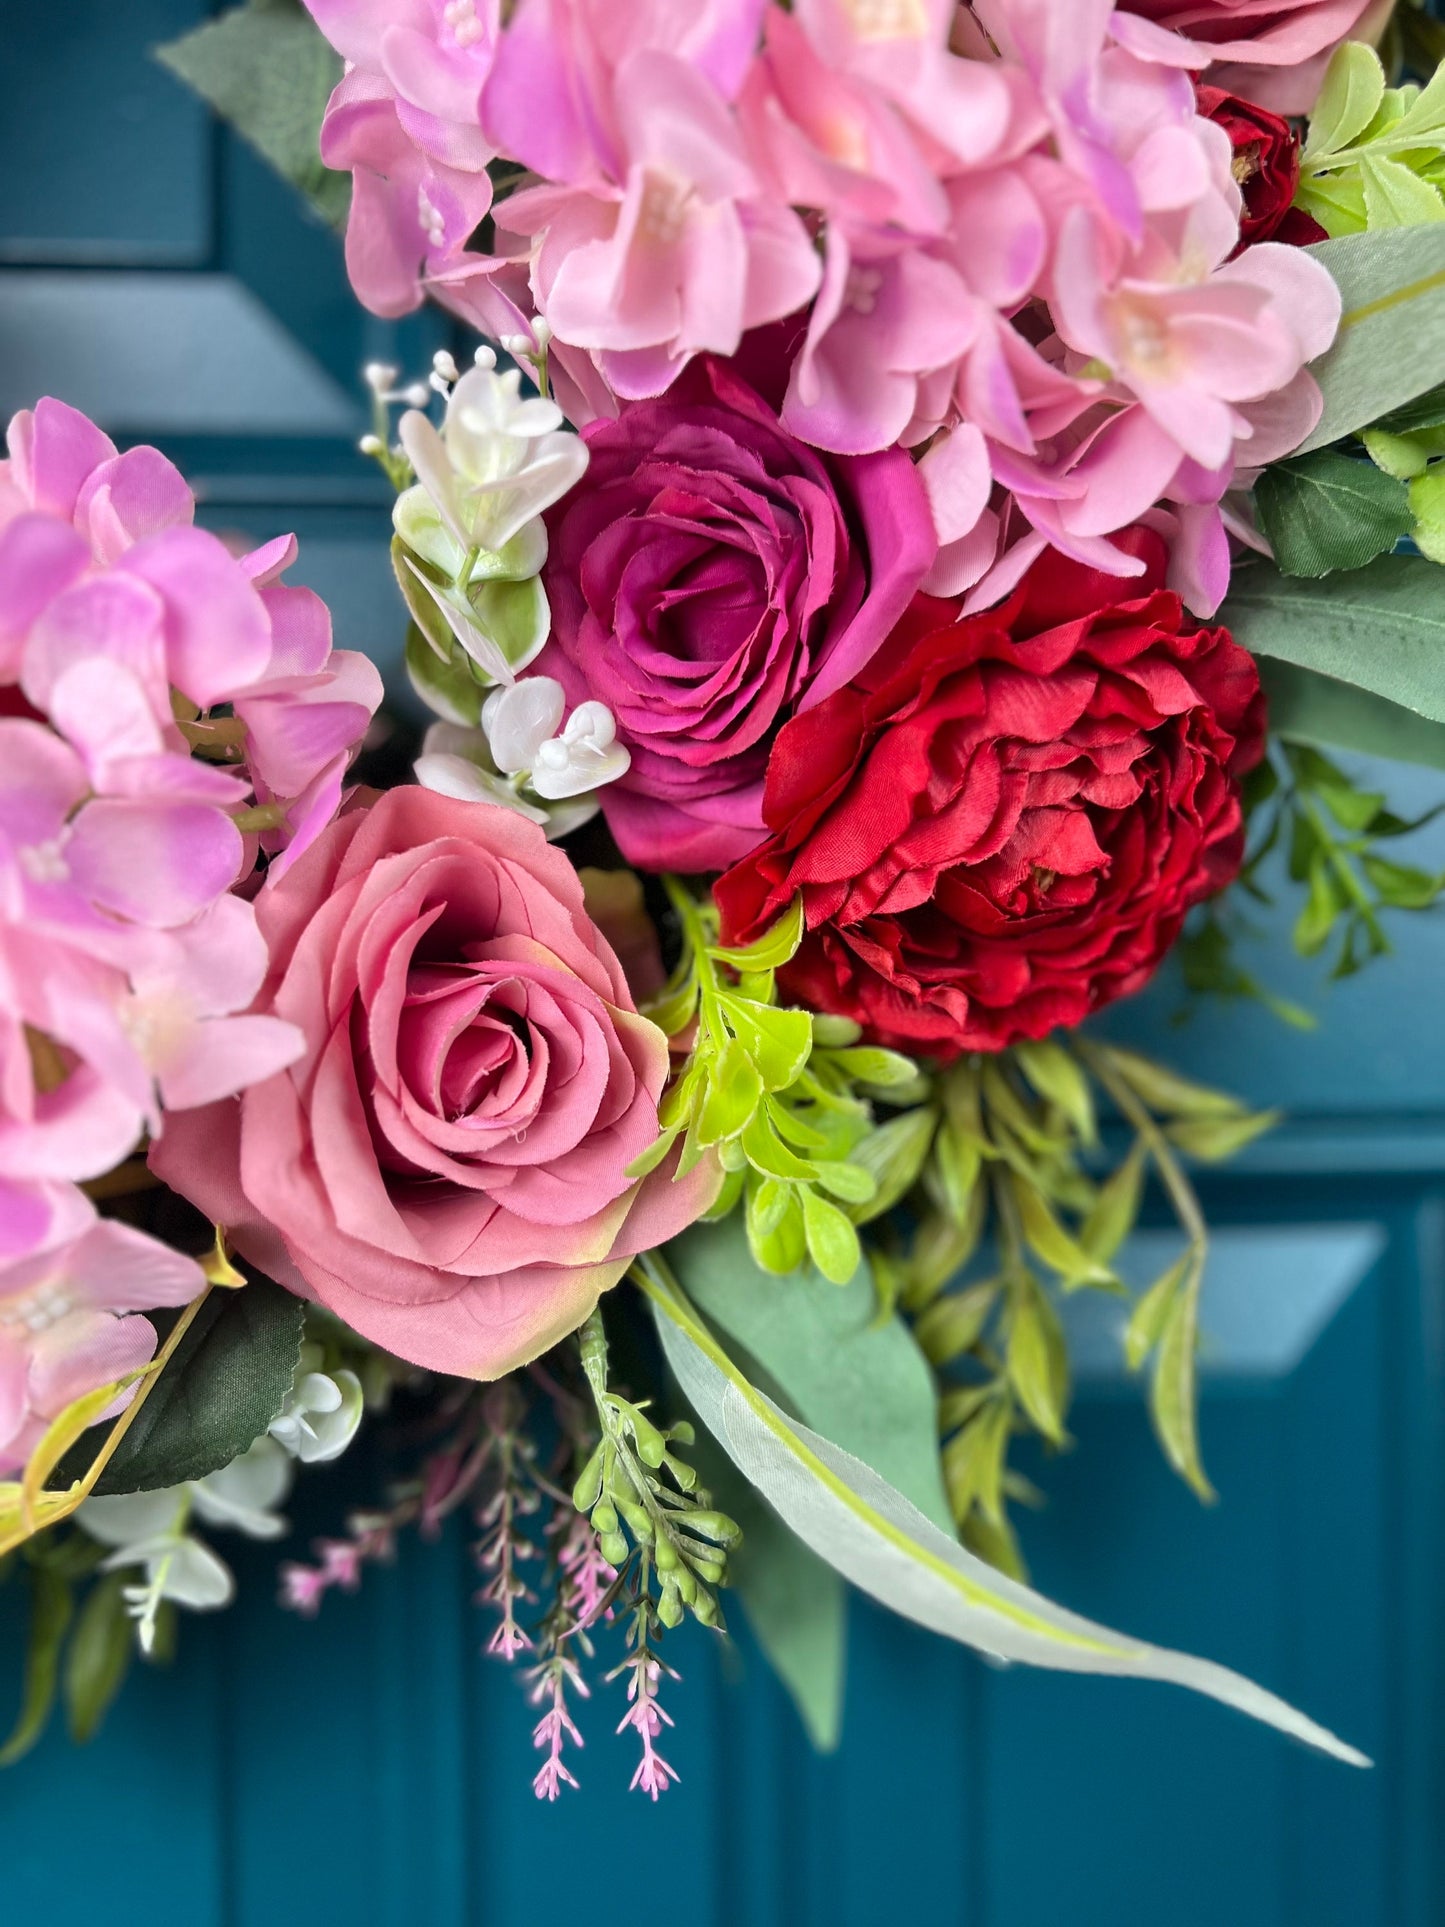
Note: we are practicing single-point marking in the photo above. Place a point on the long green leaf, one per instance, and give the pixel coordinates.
(1391, 341)
(863, 1383)
(1380, 628)
(1315, 709)
(867, 1530)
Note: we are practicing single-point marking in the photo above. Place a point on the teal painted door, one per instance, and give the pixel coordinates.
(372, 1769)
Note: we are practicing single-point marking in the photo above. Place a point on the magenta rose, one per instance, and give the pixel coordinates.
(709, 577)
(445, 1167)
(1273, 52)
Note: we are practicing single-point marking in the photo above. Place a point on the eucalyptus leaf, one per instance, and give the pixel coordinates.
(1306, 707)
(267, 69)
(1381, 628)
(867, 1530)
(796, 1605)
(866, 1385)
(1391, 341)
(1328, 511)
(229, 1378)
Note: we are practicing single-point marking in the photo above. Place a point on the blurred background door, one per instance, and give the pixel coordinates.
(373, 1769)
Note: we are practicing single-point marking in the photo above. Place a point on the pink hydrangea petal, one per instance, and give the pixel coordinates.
(153, 861)
(53, 449)
(222, 1056)
(138, 494)
(218, 638)
(39, 560)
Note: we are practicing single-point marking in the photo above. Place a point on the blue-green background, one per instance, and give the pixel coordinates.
(371, 1770)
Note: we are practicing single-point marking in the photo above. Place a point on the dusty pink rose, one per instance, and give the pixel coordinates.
(445, 1167)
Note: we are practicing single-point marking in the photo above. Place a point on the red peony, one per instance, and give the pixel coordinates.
(1000, 825)
(1266, 165)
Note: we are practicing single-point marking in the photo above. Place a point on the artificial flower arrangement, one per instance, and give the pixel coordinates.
(928, 507)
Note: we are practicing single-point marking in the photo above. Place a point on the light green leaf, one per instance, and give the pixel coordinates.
(1305, 707)
(1423, 122)
(1391, 341)
(1348, 100)
(514, 616)
(832, 1241)
(861, 1525)
(1329, 511)
(1381, 628)
(1173, 1388)
(1165, 1091)
(893, 1154)
(51, 1607)
(1427, 505)
(865, 1384)
(1146, 1320)
(1214, 1139)
(1046, 1237)
(1396, 197)
(733, 1094)
(773, 948)
(445, 684)
(951, 1324)
(266, 68)
(1057, 1076)
(1037, 1362)
(1116, 1208)
(98, 1657)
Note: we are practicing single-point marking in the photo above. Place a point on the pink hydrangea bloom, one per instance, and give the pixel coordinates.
(1004, 229)
(70, 1323)
(129, 814)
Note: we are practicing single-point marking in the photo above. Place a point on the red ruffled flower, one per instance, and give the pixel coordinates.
(1266, 165)
(1000, 825)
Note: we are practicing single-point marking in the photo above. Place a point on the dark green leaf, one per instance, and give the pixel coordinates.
(228, 1380)
(1327, 511)
(266, 68)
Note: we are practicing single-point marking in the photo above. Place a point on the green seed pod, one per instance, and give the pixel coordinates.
(705, 1610)
(665, 1554)
(613, 1548)
(669, 1607)
(604, 1516)
(588, 1489)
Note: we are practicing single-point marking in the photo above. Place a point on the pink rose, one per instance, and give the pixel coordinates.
(446, 1165)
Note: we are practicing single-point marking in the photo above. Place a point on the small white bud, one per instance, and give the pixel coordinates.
(379, 376)
(371, 445)
(444, 366)
(486, 357)
(416, 396)
(542, 333)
